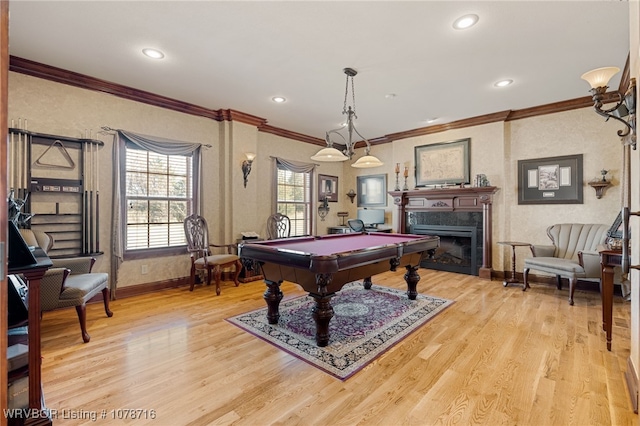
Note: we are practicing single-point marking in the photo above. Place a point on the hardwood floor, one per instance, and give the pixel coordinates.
(497, 356)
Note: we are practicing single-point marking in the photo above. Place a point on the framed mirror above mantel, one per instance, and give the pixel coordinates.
(412, 204)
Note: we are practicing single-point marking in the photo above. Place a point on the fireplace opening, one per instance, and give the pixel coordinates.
(457, 251)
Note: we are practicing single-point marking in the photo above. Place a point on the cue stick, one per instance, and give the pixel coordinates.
(97, 200)
(85, 207)
(24, 165)
(91, 197)
(12, 157)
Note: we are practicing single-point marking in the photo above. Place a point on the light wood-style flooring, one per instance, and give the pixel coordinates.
(498, 356)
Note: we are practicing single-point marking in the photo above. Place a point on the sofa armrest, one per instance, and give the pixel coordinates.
(77, 265)
(543, 250)
(590, 261)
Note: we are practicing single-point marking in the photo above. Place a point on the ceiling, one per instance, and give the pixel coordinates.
(412, 64)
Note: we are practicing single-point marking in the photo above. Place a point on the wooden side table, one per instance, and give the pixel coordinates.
(513, 245)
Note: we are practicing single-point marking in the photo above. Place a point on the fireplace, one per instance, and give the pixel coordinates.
(458, 250)
(461, 217)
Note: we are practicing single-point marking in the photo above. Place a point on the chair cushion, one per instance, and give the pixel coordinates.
(555, 265)
(216, 259)
(79, 288)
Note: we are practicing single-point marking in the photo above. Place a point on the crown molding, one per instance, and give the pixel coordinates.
(59, 75)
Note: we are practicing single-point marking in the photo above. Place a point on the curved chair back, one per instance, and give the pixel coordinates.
(356, 225)
(37, 238)
(278, 226)
(197, 234)
(570, 238)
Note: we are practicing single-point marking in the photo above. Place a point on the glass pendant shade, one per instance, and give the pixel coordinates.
(600, 77)
(366, 162)
(329, 155)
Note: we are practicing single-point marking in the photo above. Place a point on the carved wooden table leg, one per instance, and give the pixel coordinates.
(412, 277)
(367, 283)
(322, 314)
(273, 296)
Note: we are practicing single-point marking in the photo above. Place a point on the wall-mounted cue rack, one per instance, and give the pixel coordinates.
(59, 178)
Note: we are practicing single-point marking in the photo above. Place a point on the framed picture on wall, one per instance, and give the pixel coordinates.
(328, 186)
(550, 180)
(372, 191)
(443, 163)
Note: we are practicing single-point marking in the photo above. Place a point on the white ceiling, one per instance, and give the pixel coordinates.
(239, 54)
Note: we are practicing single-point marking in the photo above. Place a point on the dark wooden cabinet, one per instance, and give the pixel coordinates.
(33, 274)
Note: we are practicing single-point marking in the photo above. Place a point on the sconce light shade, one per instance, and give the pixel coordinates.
(329, 155)
(367, 161)
(600, 77)
(246, 166)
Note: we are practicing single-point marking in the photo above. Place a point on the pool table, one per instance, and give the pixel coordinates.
(322, 265)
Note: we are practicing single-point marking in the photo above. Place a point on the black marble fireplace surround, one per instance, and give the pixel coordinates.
(460, 239)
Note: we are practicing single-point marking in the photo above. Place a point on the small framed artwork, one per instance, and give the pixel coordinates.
(372, 191)
(442, 163)
(551, 180)
(328, 187)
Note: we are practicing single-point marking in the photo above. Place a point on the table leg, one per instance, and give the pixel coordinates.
(367, 283)
(513, 278)
(273, 296)
(607, 302)
(322, 314)
(412, 277)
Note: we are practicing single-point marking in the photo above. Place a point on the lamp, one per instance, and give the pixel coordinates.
(625, 107)
(246, 166)
(323, 209)
(331, 154)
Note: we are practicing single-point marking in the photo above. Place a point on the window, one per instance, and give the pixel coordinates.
(159, 195)
(294, 199)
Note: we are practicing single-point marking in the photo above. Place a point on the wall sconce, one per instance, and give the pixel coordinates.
(323, 209)
(351, 194)
(625, 107)
(246, 166)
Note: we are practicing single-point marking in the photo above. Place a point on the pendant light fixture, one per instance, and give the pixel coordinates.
(331, 154)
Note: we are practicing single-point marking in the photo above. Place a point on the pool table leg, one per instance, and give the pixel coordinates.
(322, 314)
(412, 278)
(273, 296)
(367, 283)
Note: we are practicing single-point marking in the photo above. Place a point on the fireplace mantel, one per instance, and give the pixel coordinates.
(450, 200)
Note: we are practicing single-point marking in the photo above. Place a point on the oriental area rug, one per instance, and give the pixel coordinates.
(366, 323)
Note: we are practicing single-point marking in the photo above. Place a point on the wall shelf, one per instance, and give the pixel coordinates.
(600, 186)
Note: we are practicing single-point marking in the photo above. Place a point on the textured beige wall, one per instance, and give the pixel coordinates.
(58, 109)
(230, 208)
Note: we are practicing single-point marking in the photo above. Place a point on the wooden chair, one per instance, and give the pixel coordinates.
(198, 246)
(278, 226)
(69, 282)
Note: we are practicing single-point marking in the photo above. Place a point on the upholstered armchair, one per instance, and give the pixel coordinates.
(573, 254)
(69, 282)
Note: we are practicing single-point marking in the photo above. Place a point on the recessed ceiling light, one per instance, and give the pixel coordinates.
(465, 22)
(390, 96)
(153, 53)
(278, 99)
(503, 83)
(431, 120)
